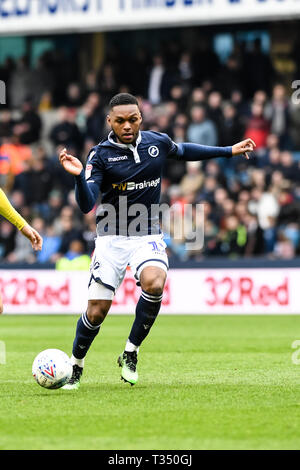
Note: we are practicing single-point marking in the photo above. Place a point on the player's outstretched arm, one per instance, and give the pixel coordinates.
(86, 195)
(243, 147)
(196, 152)
(7, 210)
(70, 164)
(33, 236)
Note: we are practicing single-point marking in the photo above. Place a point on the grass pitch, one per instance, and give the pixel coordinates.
(206, 382)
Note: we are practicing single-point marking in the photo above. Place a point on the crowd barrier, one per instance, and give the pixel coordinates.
(225, 290)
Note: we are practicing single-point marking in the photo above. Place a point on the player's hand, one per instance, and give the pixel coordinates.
(33, 236)
(242, 148)
(71, 164)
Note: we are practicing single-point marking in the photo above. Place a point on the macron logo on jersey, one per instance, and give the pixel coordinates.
(131, 185)
(117, 159)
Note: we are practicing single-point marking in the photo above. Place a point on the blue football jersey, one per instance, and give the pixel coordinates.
(129, 178)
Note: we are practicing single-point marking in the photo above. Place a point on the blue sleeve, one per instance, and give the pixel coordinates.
(196, 152)
(88, 183)
(86, 193)
(171, 148)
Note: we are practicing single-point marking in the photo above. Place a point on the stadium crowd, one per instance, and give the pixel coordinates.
(251, 207)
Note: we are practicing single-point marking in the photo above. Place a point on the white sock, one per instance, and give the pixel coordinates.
(78, 362)
(130, 347)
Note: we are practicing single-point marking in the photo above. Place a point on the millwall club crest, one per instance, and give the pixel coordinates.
(153, 151)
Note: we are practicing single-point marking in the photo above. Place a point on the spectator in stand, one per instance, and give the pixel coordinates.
(14, 156)
(43, 75)
(231, 128)
(207, 191)
(203, 53)
(258, 69)
(159, 81)
(178, 97)
(55, 204)
(138, 72)
(39, 177)
(228, 209)
(95, 120)
(192, 181)
(107, 81)
(278, 113)
(284, 248)
(274, 162)
(233, 238)
(68, 228)
(51, 245)
(163, 124)
(201, 130)
(29, 127)
(63, 183)
(258, 178)
(213, 168)
(241, 209)
(211, 242)
(186, 72)
(89, 231)
(6, 124)
(198, 97)
(272, 143)
(220, 195)
(267, 212)
(289, 217)
(258, 127)
(46, 102)
(75, 258)
(255, 242)
(277, 183)
(288, 167)
(229, 77)
(20, 84)
(22, 253)
(260, 97)
(90, 84)
(68, 213)
(69, 233)
(7, 238)
(66, 132)
(179, 132)
(214, 109)
(73, 96)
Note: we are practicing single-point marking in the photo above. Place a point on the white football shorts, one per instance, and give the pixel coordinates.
(112, 255)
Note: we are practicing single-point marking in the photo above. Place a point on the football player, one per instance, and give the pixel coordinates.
(127, 169)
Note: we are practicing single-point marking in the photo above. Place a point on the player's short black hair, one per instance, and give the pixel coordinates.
(121, 99)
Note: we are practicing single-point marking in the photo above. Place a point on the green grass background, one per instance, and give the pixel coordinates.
(206, 382)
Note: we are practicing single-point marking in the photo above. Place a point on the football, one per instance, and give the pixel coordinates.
(52, 368)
